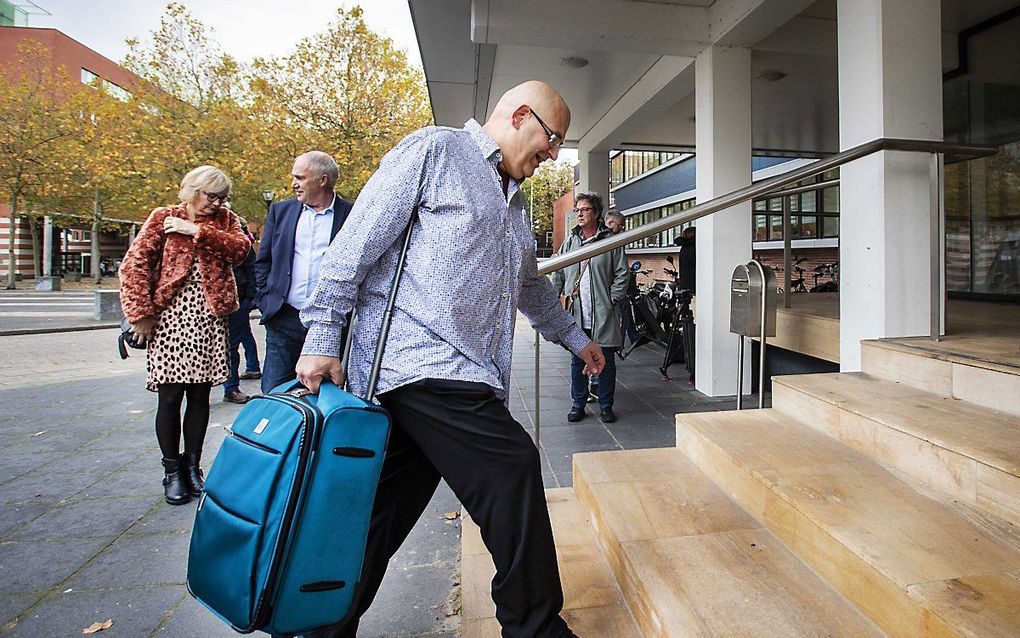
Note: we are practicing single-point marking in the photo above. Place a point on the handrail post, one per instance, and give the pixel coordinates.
(787, 252)
(538, 413)
(740, 371)
(936, 182)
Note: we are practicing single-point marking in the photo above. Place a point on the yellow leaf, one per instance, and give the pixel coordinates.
(96, 627)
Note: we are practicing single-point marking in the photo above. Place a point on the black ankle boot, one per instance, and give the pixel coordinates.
(174, 487)
(192, 473)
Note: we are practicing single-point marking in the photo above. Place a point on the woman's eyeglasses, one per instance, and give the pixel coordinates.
(214, 198)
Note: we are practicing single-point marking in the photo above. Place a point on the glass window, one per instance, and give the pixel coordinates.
(830, 226)
(830, 200)
(88, 77)
(831, 174)
(809, 202)
(116, 91)
(776, 227)
(776, 204)
(794, 203)
(808, 227)
(760, 204)
(761, 227)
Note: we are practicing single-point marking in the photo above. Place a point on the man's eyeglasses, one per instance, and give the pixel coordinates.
(584, 209)
(555, 141)
(213, 197)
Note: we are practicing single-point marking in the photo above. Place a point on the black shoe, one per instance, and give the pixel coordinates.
(193, 478)
(174, 487)
(576, 414)
(608, 416)
(236, 397)
(251, 375)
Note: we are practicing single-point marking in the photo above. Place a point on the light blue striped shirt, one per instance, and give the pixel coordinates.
(470, 267)
(311, 239)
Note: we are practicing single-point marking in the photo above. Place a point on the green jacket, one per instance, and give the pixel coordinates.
(608, 286)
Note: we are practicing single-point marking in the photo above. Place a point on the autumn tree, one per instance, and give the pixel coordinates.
(33, 122)
(550, 182)
(347, 91)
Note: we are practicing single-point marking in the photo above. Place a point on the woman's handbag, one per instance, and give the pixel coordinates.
(128, 339)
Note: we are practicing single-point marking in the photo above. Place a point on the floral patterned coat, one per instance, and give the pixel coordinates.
(157, 264)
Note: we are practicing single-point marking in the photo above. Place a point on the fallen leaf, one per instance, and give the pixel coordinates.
(96, 627)
(451, 516)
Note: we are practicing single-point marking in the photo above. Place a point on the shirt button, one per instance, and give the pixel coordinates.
(505, 295)
(508, 233)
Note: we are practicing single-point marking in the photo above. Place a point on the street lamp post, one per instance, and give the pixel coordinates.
(268, 197)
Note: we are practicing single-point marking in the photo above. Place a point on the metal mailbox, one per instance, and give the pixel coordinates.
(746, 288)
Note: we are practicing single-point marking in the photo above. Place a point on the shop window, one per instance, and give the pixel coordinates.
(761, 227)
(776, 204)
(830, 200)
(794, 201)
(830, 226)
(776, 227)
(809, 202)
(807, 228)
(761, 204)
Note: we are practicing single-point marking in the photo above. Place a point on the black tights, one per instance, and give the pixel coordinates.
(168, 417)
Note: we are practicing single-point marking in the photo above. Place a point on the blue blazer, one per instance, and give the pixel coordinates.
(276, 252)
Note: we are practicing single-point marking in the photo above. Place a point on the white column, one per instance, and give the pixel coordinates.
(890, 85)
(47, 265)
(723, 147)
(594, 173)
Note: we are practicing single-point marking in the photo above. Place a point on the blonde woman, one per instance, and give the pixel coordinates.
(177, 288)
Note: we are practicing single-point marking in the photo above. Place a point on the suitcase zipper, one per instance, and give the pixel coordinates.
(311, 417)
(254, 444)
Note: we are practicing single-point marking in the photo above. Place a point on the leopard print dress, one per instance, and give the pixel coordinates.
(189, 344)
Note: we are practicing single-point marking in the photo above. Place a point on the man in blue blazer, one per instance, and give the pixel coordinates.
(296, 235)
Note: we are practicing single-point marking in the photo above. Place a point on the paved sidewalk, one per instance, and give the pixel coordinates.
(85, 535)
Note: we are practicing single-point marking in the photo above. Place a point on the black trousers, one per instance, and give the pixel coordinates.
(461, 432)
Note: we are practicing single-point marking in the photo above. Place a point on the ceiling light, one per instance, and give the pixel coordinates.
(574, 62)
(772, 75)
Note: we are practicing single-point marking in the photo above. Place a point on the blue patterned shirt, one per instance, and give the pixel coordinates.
(470, 266)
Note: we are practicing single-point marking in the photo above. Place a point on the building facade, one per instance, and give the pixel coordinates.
(79, 64)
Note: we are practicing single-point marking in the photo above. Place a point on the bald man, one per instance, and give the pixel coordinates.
(446, 370)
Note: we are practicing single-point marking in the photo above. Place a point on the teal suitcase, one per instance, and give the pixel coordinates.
(281, 528)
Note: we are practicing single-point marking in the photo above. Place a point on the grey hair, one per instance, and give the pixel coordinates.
(204, 178)
(323, 164)
(594, 199)
(615, 214)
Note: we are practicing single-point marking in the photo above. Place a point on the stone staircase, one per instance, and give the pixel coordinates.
(878, 503)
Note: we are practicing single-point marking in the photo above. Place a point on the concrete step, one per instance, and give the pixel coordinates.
(593, 604)
(967, 451)
(907, 561)
(691, 562)
(966, 377)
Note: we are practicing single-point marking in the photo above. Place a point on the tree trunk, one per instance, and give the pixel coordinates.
(33, 227)
(97, 275)
(12, 227)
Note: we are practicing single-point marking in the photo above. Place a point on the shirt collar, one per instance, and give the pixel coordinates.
(487, 145)
(328, 209)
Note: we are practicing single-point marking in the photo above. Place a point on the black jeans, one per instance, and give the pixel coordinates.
(461, 432)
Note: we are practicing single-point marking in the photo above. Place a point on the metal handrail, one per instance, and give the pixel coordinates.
(939, 150)
(765, 187)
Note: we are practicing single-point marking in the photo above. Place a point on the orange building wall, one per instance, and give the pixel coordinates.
(562, 219)
(64, 52)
